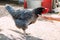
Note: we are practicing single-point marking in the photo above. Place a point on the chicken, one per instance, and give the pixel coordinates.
(25, 17)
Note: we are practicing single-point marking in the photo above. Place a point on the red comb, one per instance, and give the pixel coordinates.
(45, 11)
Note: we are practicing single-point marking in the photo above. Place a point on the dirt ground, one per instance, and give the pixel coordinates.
(41, 30)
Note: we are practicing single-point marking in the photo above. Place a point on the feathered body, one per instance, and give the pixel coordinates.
(24, 17)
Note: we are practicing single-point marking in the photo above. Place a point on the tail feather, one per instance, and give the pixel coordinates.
(10, 10)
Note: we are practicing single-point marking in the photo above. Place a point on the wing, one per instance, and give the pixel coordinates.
(24, 14)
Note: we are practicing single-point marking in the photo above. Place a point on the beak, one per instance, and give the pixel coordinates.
(45, 11)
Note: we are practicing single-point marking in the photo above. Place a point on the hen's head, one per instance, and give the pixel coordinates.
(40, 10)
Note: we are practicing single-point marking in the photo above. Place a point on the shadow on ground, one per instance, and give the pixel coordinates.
(21, 36)
(27, 37)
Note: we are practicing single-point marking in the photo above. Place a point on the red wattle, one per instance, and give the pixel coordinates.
(45, 11)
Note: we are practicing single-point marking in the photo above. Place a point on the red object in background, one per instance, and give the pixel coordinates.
(47, 4)
(25, 4)
(45, 11)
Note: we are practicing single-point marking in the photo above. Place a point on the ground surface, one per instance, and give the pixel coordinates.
(41, 30)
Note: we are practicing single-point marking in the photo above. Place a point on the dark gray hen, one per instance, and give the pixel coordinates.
(24, 17)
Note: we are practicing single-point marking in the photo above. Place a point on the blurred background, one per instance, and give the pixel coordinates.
(50, 4)
(12, 2)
